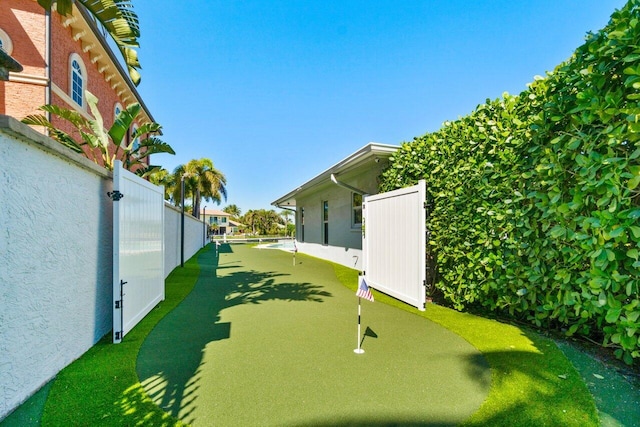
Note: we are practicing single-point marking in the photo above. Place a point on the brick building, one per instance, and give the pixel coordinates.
(62, 56)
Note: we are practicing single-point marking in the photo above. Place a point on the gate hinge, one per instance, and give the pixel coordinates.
(115, 195)
(118, 335)
(119, 304)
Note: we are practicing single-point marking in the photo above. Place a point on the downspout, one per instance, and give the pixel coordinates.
(47, 67)
(286, 208)
(347, 186)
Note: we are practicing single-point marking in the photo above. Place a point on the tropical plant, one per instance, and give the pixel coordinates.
(534, 200)
(111, 144)
(262, 221)
(164, 178)
(118, 19)
(233, 210)
(201, 181)
(285, 214)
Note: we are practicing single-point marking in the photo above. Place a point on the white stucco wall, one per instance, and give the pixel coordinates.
(193, 232)
(56, 259)
(348, 257)
(345, 240)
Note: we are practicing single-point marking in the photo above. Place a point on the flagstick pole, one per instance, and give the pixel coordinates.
(358, 350)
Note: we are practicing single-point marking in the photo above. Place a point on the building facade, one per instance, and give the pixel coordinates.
(62, 57)
(328, 208)
(219, 222)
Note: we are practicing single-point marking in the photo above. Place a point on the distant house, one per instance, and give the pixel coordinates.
(234, 226)
(219, 222)
(329, 206)
(62, 57)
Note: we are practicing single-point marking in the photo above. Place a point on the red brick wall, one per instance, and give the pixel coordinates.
(24, 22)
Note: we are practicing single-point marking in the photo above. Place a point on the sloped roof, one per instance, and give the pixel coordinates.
(369, 152)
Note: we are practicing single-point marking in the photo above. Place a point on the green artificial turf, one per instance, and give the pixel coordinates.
(29, 414)
(262, 342)
(101, 387)
(617, 399)
(532, 383)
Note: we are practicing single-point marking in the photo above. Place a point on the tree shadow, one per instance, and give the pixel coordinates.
(169, 360)
(550, 398)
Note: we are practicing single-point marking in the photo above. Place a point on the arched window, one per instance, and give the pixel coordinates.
(135, 144)
(77, 79)
(116, 110)
(5, 42)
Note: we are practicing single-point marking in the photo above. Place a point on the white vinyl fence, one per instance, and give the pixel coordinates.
(138, 249)
(394, 243)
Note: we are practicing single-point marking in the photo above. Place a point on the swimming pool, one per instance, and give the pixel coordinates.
(285, 245)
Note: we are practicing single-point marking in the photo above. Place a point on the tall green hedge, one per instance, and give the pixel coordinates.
(535, 198)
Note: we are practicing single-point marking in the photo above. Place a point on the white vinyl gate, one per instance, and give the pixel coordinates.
(394, 243)
(138, 249)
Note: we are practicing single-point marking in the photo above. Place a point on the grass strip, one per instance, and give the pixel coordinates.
(102, 387)
(532, 382)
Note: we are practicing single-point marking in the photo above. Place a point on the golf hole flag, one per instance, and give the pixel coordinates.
(363, 290)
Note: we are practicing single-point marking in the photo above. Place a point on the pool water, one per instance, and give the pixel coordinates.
(285, 245)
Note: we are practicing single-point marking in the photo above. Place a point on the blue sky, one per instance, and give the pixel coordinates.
(276, 91)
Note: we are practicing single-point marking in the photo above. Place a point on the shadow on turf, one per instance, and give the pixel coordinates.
(170, 358)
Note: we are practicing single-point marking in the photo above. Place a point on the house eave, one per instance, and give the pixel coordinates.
(95, 44)
(369, 152)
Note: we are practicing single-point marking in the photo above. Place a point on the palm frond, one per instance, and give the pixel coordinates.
(55, 134)
(153, 145)
(148, 171)
(37, 120)
(72, 116)
(97, 124)
(147, 128)
(119, 20)
(123, 122)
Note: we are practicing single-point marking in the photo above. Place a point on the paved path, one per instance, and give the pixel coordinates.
(262, 342)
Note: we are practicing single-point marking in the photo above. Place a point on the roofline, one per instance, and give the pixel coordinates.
(215, 212)
(351, 160)
(103, 42)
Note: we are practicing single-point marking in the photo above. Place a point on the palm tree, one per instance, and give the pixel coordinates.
(111, 144)
(249, 220)
(118, 19)
(286, 214)
(201, 181)
(165, 178)
(262, 221)
(234, 211)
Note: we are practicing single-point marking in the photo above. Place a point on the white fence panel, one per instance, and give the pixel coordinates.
(394, 243)
(138, 250)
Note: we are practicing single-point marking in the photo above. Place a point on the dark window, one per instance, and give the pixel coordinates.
(357, 209)
(325, 222)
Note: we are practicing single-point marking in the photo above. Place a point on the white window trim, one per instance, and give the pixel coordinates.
(85, 78)
(116, 106)
(7, 44)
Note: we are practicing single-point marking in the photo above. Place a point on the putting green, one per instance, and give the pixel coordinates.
(262, 342)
